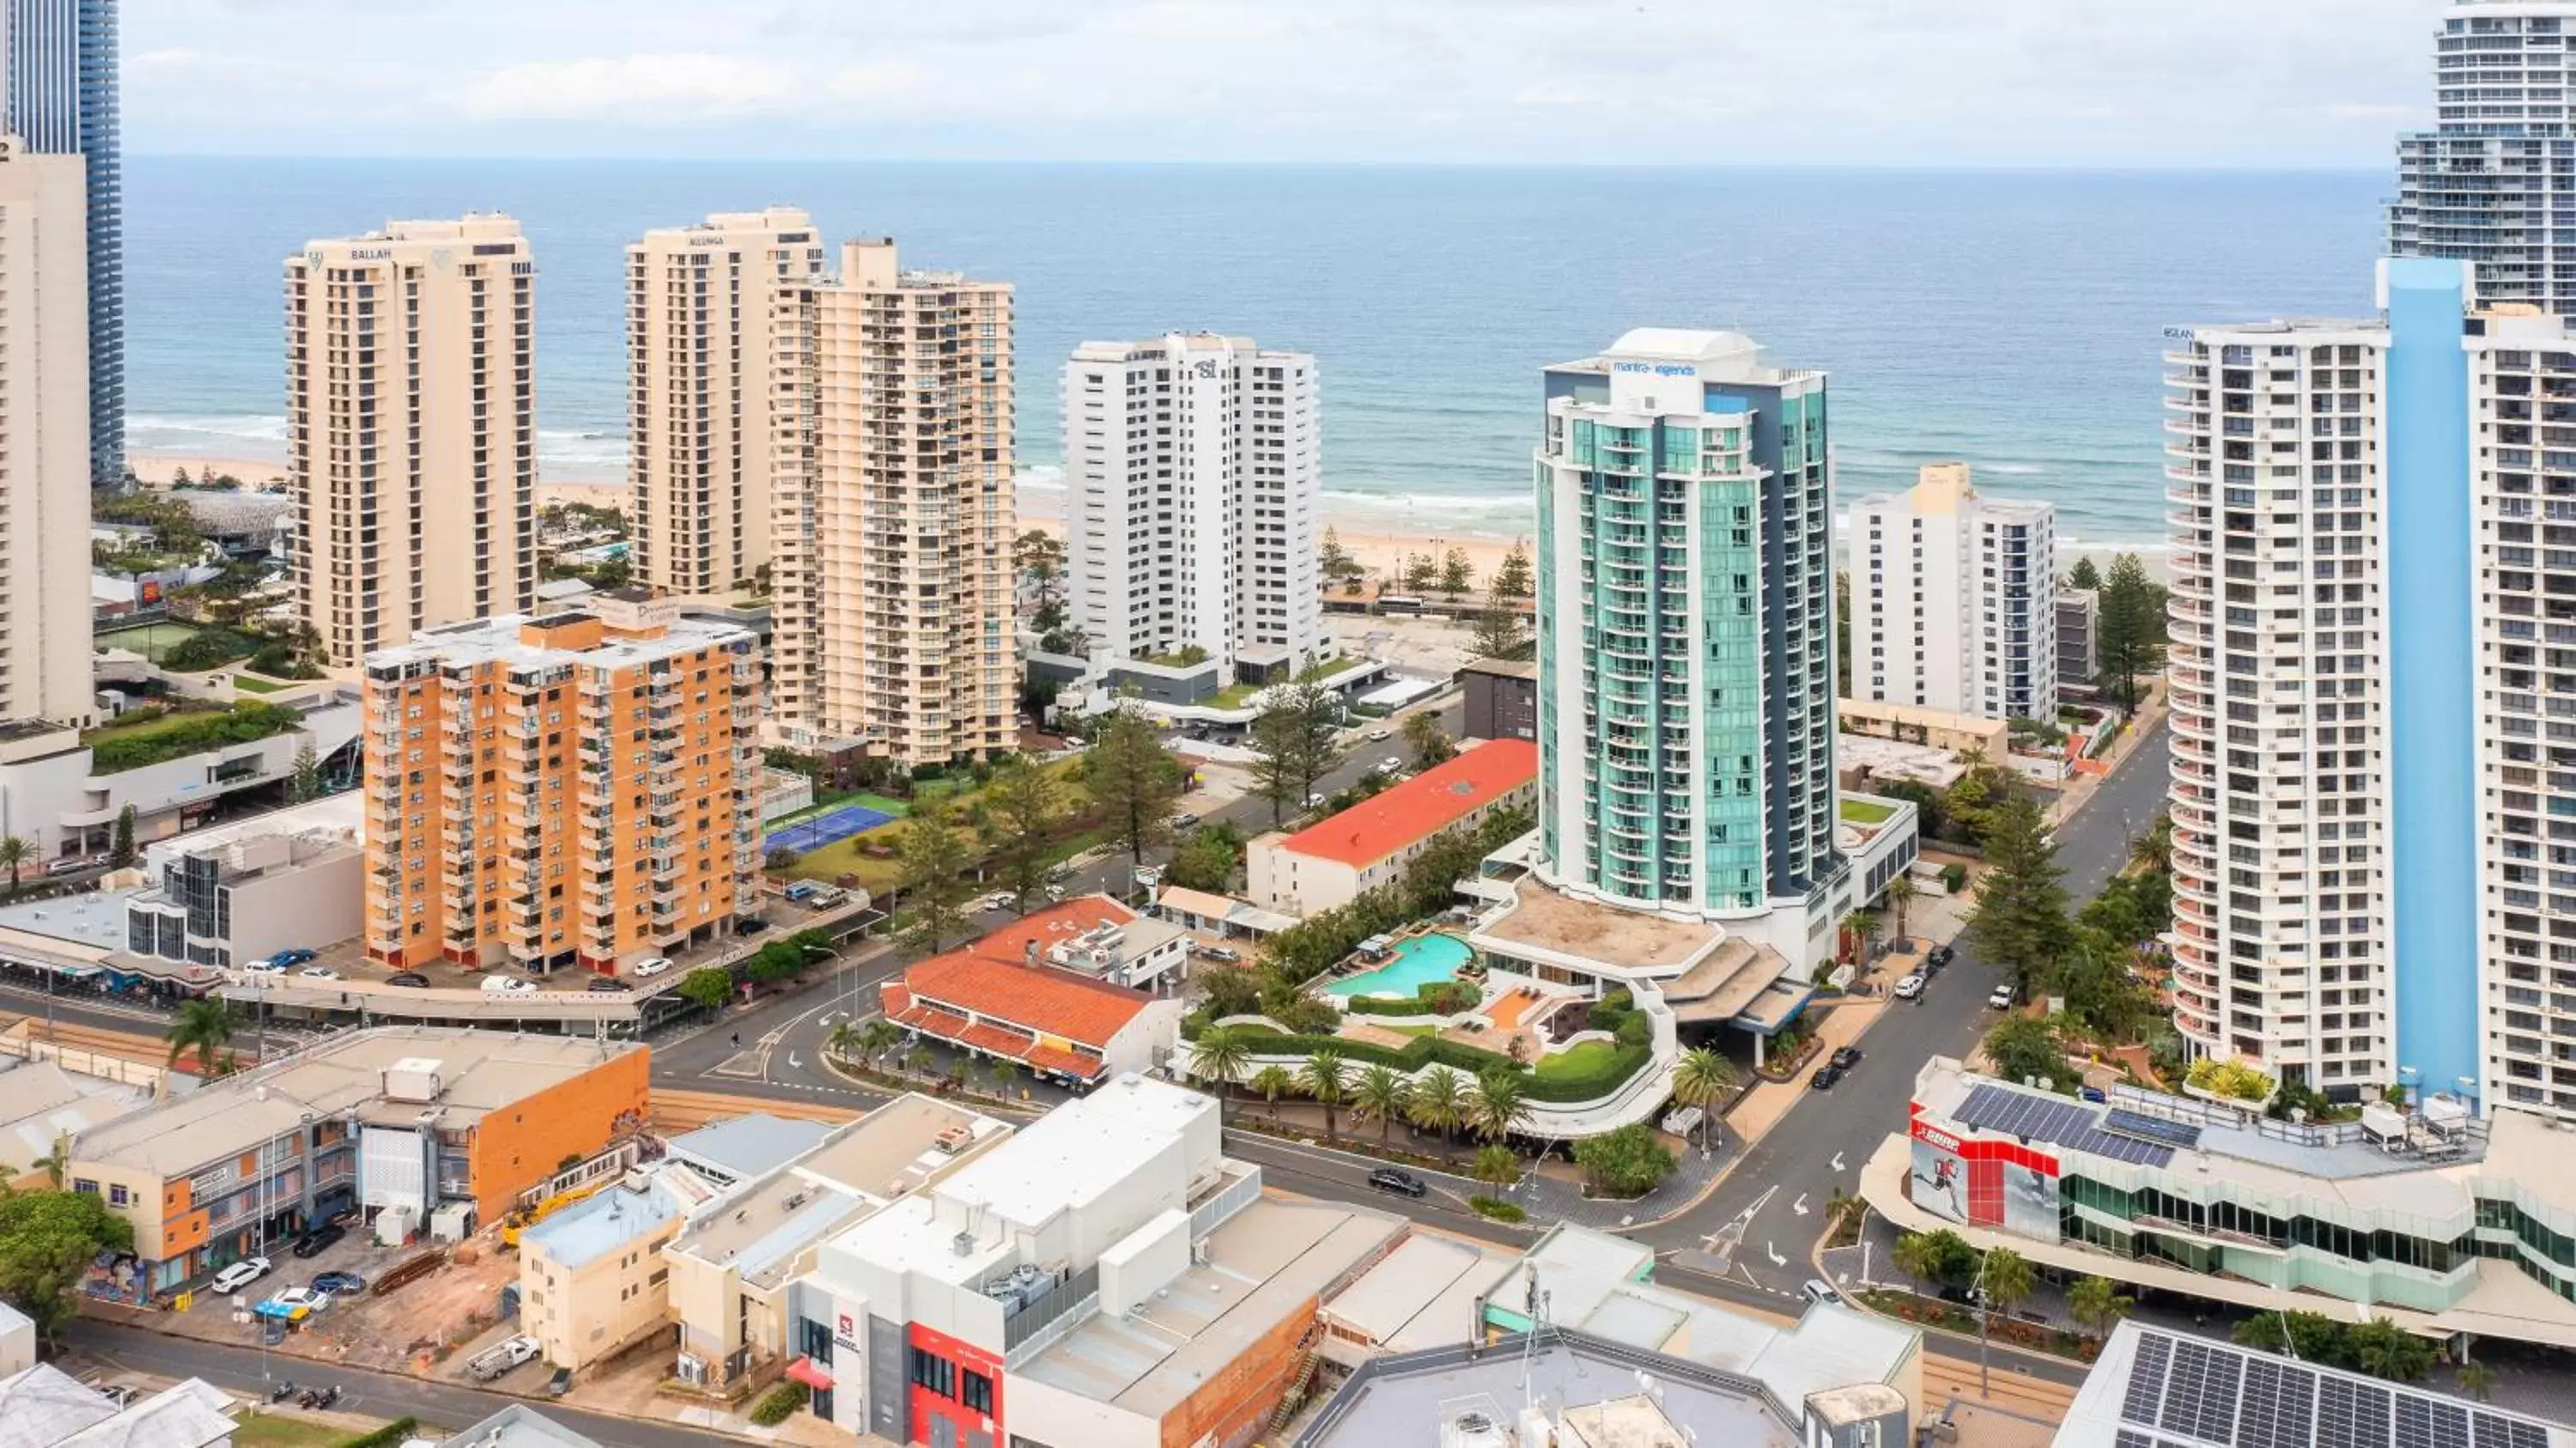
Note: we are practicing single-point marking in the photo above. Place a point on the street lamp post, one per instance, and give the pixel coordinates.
(1985, 1319)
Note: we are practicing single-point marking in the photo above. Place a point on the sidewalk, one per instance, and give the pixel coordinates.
(2084, 784)
(1837, 1025)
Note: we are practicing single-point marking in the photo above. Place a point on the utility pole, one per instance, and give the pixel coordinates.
(1985, 1320)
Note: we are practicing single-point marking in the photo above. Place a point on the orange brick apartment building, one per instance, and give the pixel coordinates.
(575, 789)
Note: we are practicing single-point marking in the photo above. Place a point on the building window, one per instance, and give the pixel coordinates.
(979, 1393)
(931, 1371)
(117, 1196)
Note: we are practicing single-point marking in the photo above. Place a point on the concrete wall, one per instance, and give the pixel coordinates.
(1500, 706)
(312, 906)
(1153, 1255)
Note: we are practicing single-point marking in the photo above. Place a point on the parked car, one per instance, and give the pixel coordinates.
(1184, 820)
(409, 978)
(296, 1302)
(1315, 801)
(1224, 953)
(500, 1357)
(1940, 956)
(239, 1275)
(2000, 998)
(800, 890)
(1391, 765)
(319, 1240)
(297, 956)
(1379, 736)
(508, 985)
(1402, 1183)
(607, 985)
(1910, 988)
(1818, 1289)
(318, 972)
(750, 925)
(70, 865)
(652, 965)
(339, 1284)
(1825, 1077)
(1054, 892)
(1845, 1057)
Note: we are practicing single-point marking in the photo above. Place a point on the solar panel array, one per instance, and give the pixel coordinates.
(2213, 1393)
(2062, 1123)
(2181, 1134)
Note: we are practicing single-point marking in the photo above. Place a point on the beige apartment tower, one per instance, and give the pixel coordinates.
(576, 790)
(705, 397)
(892, 550)
(44, 437)
(412, 429)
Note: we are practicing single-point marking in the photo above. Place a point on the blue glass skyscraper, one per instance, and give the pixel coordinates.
(62, 100)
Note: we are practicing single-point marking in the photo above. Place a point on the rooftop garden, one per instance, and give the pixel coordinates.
(155, 735)
(1865, 812)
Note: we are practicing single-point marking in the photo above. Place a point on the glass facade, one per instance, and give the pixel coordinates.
(62, 100)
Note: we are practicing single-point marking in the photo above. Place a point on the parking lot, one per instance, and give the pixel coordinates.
(418, 1322)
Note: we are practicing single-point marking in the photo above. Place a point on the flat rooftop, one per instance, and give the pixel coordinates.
(484, 1071)
(1264, 1265)
(497, 640)
(890, 1153)
(1413, 1397)
(751, 1145)
(41, 1103)
(1548, 920)
(520, 1426)
(626, 1213)
(1422, 1295)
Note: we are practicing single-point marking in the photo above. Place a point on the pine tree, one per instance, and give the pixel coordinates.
(2020, 921)
(1515, 579)
(2132, 625)
(2084, 575)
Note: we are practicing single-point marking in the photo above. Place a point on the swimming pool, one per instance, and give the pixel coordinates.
(1419, 961)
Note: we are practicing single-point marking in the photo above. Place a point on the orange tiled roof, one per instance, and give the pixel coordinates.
(1037, 999)
(1052, 925)
(1422, 806)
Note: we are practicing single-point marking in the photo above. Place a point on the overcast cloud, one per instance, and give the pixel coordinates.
(2156, 83)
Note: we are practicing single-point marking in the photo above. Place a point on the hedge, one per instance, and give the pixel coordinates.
(397, 1431)
(117, 748)
(1622, 1063)
(1431, 998)
(781, 1404)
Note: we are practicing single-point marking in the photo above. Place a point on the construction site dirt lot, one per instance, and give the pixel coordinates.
(412, 1329)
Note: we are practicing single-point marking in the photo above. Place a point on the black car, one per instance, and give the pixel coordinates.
(320, 1240)
(1844, 1058)
(607, 985)
(411, 978)
(1402, 1183)
(1825, 1077)
(750, 925)
(1940, 956)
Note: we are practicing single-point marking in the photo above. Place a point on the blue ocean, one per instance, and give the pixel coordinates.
(2011, 319)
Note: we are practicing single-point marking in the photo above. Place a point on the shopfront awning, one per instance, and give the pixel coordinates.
(812, 1374)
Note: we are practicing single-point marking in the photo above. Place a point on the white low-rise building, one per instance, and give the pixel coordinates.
(1366, 847)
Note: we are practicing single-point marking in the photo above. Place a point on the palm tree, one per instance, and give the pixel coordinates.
(2476, 1378)
(1326, 1077)
(1918, 1255)
(1500, 1105)
(1382, 1094)
(1864, 926)
(878, 1039)
(1272, 1082)
(917, 1058)
(2006, 1278)
(1899, 894)
(1702, 1079)
(2097, 1303)
(1439, 1103)
(15, 853)
(57, 1159)
(1221, 1055)
(1004, 1072)
(202, 1026)
(2153, 851)
(1497, 1166)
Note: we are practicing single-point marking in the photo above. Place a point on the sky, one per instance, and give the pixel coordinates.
(2240, 84)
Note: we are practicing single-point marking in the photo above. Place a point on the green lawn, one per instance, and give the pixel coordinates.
(1329, 667)
(880, 804)
(1234, 696)
(278, 1430)
(245, 679)
(1584, 1056)
(878, 876)
(1863, 812)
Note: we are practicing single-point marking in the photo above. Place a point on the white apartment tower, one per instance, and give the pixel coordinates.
(2494, 181)
(411, 429)
(704, 399)
(44, 438)
(1194, 462)
(1954, 603)
(2278, 672)
(892, 550)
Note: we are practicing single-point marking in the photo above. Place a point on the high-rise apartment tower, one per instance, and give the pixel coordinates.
(44, 440)
(577, 790)
(412, 429)
(1686, 631)
(61, 100)
(1954, 599)
(2494, 182)
(1194, 464)
(705, 311)
(893, 606)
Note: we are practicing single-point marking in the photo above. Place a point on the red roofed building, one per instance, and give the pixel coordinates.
(1328, 864)
(1001, 996)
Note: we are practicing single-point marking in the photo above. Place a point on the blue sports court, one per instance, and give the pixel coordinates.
(828, 828)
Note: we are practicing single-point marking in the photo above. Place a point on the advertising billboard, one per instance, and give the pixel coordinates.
(1975, 1183)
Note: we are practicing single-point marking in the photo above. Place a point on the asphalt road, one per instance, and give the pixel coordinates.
(447, 1406)
(1821, 1144)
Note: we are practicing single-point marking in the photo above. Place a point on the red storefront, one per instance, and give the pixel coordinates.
(1983, 1181)
(955, 1392)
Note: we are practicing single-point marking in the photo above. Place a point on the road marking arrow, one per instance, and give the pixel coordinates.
(1838, 1161)
(1776, 1259)
(793, 1064)
(1799, 1206)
